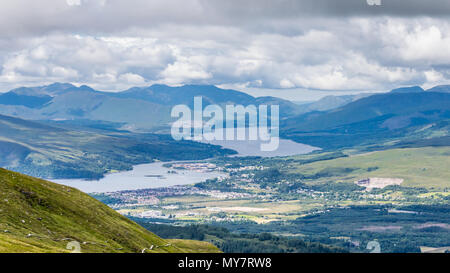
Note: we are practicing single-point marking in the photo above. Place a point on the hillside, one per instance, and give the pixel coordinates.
(37, 149)
(39, 216)
(373, 119)
(397, 104)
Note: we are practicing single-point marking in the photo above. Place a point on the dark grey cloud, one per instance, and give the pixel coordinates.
(290, 8)
(20, 17)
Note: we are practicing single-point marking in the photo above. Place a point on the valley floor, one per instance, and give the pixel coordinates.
(316, 197)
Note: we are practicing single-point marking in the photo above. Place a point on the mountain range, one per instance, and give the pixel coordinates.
(405, 112)
(138, 108)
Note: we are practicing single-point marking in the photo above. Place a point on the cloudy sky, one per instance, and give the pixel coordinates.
(295, 49)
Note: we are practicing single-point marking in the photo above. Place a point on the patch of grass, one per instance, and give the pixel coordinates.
(192, 246)
(419, 167)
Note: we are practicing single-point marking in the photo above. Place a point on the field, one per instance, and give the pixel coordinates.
(419, 167)
(260, 211)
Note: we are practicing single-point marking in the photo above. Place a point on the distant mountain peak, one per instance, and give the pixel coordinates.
(440, 88)
(85, 87)
(158, 85)
(186, 86)
(60, 85)
(412, 89)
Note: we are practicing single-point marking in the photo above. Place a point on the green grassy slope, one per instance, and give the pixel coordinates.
(419, 167)
(40, 216)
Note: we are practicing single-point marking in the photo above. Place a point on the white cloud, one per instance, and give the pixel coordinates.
(64, 73)
(105, 78)
(428, 44)
(434, 78)
(116, 44)
(184, 72)
(285, 83)
(73, 2)
(131, 78)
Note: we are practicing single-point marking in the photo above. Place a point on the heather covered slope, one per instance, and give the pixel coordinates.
(40, 216)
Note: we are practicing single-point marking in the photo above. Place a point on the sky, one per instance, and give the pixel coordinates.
(296, 49)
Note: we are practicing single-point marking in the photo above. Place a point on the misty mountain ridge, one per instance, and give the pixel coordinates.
(138, 107)
(440, 88)
(400, 114)
(147, 108)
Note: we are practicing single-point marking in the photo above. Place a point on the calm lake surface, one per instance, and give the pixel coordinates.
(145, 176)
(141, 177)
(253, 148)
